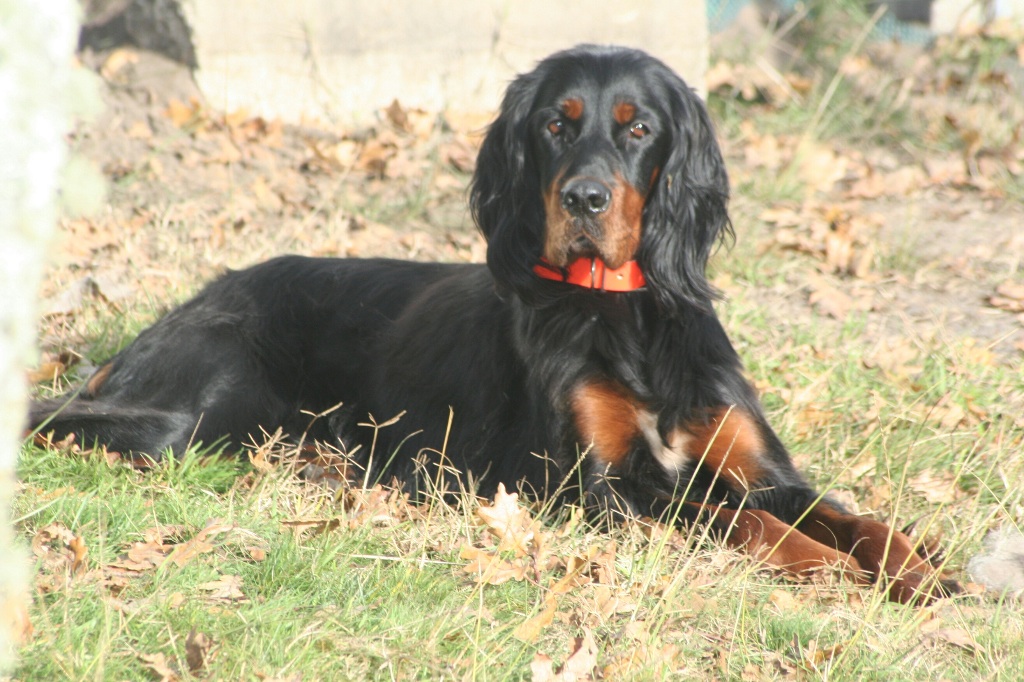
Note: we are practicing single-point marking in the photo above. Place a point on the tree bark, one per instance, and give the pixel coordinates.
(40, 89)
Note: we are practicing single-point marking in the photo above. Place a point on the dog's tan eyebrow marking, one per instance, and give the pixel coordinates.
(573, 108)
(623, 112)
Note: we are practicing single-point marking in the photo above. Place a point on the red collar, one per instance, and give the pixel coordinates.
(592, 273)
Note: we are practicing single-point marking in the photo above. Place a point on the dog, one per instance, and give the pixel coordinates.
(583, 362)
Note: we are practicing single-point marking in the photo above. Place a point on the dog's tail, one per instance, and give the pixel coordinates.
(121, 428)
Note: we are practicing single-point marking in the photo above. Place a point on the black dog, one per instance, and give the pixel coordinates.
(584, 360)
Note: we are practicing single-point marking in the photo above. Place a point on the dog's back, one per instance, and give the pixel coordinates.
(238, 357)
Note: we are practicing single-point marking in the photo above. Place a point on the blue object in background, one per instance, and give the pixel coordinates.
(905, 20)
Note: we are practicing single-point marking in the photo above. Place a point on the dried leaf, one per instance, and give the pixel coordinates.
(542, 668)
(225, 588)
(184, 552)
(184, 115)
(897, 183)
(510, 523)
(783, 600)
(815, 657)
(820, 166)
(829, 300)
(197, 650)
(957, 637)
(531, 629)
(1009, 296)
(158, 665)
(936, 487)
(142, 556)
(62, 553)
(489, 568)
(582, 661)
(898, 357)
(47, 372)
(299, 526)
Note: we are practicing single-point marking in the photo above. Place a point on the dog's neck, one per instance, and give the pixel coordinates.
(592, 273)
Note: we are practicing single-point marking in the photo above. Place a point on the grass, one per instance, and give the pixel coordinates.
(387, 598)
(291, 581)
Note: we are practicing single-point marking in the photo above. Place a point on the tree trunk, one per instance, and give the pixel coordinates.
(39, 92)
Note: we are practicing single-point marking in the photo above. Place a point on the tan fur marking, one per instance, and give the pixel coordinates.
(97, 380)
(558, 229)
(618, 237)
(729, 443)
(776, 543)
(623, 112)
(623, 224)
(607, 418)
(573, 109)
(879, 549)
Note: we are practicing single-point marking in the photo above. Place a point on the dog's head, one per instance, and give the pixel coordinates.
(602, 152)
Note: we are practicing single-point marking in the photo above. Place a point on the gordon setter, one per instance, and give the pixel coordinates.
(584, 361)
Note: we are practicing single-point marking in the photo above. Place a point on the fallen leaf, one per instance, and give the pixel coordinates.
(226, 588)
(299, 526)
(579, 666)
(1009, 296)
(142, 556)
(47, 372)
(897, 183)
(898, 357)
(820, 166)
(116, 61)
(957, 637)
(158, 665)
(814, 657)
(140, 130)
(62, 553)
(582, 661)
(542, 668)
(783, 600)
(509, 522)
(529, 630)
(184, 552)
(489, 568)
(183, 115)
(936, 487)
(197, 650)
(829, 300)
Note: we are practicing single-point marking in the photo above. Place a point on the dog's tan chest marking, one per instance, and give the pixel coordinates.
(609, 419)
(606, 417)
(727, 442)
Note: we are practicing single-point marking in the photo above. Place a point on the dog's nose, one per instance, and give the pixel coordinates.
(583, 197)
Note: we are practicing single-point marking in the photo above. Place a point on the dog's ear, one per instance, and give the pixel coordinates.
(686, 215)
(505, 192)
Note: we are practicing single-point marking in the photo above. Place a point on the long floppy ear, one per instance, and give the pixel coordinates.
(505, 192)
(686, 215)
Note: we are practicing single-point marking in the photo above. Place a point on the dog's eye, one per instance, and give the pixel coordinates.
(639, 130)
(556, 127)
